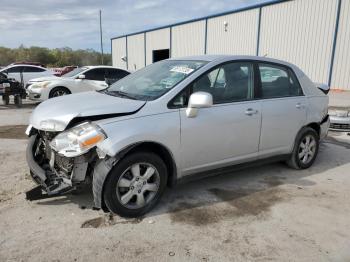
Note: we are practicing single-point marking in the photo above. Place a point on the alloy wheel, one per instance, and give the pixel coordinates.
(138, 185)
(307, 149)
(59, 93)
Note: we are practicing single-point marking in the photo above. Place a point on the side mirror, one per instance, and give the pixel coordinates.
(82, 76)
(198, 100)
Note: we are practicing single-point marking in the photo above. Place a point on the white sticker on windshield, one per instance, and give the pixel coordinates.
(182, 69)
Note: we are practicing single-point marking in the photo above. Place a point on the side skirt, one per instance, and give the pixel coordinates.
(233, 168)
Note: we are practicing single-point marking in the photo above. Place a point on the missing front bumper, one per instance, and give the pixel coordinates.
(49, 184)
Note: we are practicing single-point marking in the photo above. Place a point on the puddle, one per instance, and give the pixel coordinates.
(241, 202)
(109, 220)
(249, 203)
(13, 132)
(273, 181)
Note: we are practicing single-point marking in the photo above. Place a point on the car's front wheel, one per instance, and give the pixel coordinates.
(305, 149)
(135, 184)
(59, 91)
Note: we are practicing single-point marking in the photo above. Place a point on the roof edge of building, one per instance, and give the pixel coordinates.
(237, 10)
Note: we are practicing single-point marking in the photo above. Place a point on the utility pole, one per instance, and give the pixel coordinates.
(101, 37)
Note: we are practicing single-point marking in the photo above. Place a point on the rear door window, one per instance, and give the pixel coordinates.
(32, 69)
(116, 74)
(278, 81)
(15, 69)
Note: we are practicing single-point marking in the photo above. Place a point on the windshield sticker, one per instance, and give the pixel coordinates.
(182, 69)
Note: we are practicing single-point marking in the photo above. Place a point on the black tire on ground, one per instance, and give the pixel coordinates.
(59, 91)
(18, 101)
(6, 99)
(110, 186)
(296, 159)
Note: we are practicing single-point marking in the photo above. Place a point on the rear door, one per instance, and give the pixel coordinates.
(283, 109)
(228, 132)
(31, 72)
(15, 72)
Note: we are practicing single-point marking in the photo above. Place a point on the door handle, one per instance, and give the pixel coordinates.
(298, 105)
(251, 111)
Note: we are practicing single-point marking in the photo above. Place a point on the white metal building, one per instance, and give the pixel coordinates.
(313, 34)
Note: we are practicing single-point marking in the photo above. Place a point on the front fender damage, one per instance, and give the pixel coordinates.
(101, 171)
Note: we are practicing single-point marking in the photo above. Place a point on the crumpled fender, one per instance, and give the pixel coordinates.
(101, 170)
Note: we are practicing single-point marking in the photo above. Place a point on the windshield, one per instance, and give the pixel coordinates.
(154, 80)
(75, 72)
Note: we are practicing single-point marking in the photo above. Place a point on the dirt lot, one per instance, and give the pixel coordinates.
(258, 214)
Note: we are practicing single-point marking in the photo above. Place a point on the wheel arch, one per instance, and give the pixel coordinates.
(59, 86)
(102, 169)
(315, 126)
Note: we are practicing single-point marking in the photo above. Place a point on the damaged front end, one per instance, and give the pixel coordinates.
(61, 161)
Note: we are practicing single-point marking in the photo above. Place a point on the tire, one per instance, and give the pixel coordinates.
(59, 91)
(5, 99)
(125, 185)
(306, 143)
(18, 101)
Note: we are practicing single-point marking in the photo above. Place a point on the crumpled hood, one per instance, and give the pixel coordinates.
(56, 113)
(44, 78)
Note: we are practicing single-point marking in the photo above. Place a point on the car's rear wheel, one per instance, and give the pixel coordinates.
(305, 149)
(5, 99)
(135, 184)
(59, 91)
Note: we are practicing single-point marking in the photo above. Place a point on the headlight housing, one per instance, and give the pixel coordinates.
(40, 84)
(78, 140)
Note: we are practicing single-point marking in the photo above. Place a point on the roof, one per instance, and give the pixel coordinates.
(271, 2)
(28, 65)
(211, 58)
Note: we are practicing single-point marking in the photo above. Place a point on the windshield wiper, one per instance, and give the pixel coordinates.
(120, 94)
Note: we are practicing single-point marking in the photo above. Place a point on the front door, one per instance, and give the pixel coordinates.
(228, 132)
(94, 80)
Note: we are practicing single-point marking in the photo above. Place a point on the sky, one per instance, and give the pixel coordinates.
(75, 23)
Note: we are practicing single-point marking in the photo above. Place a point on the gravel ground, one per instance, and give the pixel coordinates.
(267, 213)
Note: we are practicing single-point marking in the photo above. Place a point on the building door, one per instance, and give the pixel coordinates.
(160, 54)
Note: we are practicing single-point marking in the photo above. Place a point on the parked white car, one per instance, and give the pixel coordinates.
(28, 72)
(87, 78)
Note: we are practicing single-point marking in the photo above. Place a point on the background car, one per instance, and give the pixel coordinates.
(26, 71)
(82, 79)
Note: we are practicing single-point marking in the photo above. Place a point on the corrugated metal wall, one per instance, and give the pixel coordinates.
(188, 39)
(341, 69)
(300, 32)
(119, 51)
(136, 56)
(240, 36)
(155, 40)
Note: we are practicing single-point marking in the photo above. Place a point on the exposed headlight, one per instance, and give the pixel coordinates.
(40, 84)
(52, 125)
(78, 140)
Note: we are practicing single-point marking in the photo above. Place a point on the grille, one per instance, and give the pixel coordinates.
(340, 126)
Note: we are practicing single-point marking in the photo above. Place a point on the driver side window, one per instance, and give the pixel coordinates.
(95, 74)
(231, 82)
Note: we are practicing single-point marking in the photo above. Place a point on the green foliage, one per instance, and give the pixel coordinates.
(57, 57)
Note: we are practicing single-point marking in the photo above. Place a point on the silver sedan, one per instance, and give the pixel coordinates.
(175, 119)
